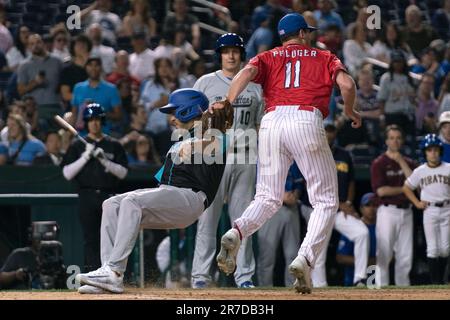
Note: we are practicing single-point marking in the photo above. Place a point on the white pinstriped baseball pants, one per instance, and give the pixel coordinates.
(288, 134)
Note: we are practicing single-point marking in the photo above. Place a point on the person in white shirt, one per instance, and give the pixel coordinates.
(433, 179)
(142, 59)
(20, 52)
(100, 12)
(105, 53)
(356, 48)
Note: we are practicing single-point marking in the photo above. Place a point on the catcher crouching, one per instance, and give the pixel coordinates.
(186, 189)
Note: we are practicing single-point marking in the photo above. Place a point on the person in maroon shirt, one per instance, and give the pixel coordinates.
(121, 70)
(394, 230)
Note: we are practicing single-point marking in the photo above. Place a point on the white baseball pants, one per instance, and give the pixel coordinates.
(288, 134)
(436, 223)
(394, 233)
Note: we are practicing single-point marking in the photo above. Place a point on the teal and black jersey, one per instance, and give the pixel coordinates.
(201, 174)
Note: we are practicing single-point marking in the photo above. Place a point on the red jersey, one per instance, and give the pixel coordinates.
(387, 172)
(297, 75)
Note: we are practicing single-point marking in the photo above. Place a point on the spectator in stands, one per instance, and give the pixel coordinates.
(6, 40)
(180, 16)
(177, 48)
(53, 156)
(105, 53)
(137, 124)
(345, 251)
(441, 21)
(396, 94)
(417, 34)
(428, 62)
(391, 39)
(196, 69)
(282, 229)
(155, 95)
(39, 78)
(60, 38)
(356, 49)
(20, 51)
(332, 39)
(142, 59)
(427, 106)
(18, 107)
(100, 12)
(122, 62)
(94, 89)
(263, 12)
(325, 15)
(139, 19)
(31, 113)
(22, 147)
(262, 38)
(74, 71)
(444, 95)
(301, 6)
(444, 134)
(369, 107)
(143, 153)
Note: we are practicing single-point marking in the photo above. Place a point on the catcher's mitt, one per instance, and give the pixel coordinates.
(221, 119)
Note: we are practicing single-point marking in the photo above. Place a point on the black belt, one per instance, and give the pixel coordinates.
(400, 206)
(439, 204)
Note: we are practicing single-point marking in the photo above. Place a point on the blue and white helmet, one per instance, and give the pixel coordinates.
(187, 103)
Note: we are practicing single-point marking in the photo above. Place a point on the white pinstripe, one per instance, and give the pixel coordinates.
(288, 134)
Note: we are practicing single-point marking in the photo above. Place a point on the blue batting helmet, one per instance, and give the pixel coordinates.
(93, 110)
(230, 40)
(430, 140)
(187, 103)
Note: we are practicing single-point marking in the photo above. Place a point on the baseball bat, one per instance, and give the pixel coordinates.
(64, 124)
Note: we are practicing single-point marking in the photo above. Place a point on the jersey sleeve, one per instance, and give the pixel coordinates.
(259, 63)
(413, 180)
(334, 66)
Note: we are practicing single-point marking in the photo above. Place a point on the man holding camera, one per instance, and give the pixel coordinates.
(96, 168)
(38, 266)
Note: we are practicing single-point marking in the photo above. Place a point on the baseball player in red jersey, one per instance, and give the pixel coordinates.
(297, 81)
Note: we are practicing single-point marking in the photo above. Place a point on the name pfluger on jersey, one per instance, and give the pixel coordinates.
(435, 178)
(286, 53)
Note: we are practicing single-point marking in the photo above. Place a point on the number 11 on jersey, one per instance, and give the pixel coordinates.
(288, 74)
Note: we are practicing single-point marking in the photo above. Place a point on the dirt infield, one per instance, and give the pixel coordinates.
(412, 293)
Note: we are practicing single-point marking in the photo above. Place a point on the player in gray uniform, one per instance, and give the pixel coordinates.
(433, 179)
(238, 181)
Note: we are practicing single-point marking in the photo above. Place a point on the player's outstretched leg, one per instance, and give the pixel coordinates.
(229, 247)
(300, 269)
(103, 278)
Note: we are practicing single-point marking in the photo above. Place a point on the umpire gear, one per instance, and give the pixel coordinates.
(230, 40)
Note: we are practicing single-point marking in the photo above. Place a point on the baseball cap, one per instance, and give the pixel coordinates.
(397, 55)
(91, 59)
(444, 117)
(367, 199)
(291, 23)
